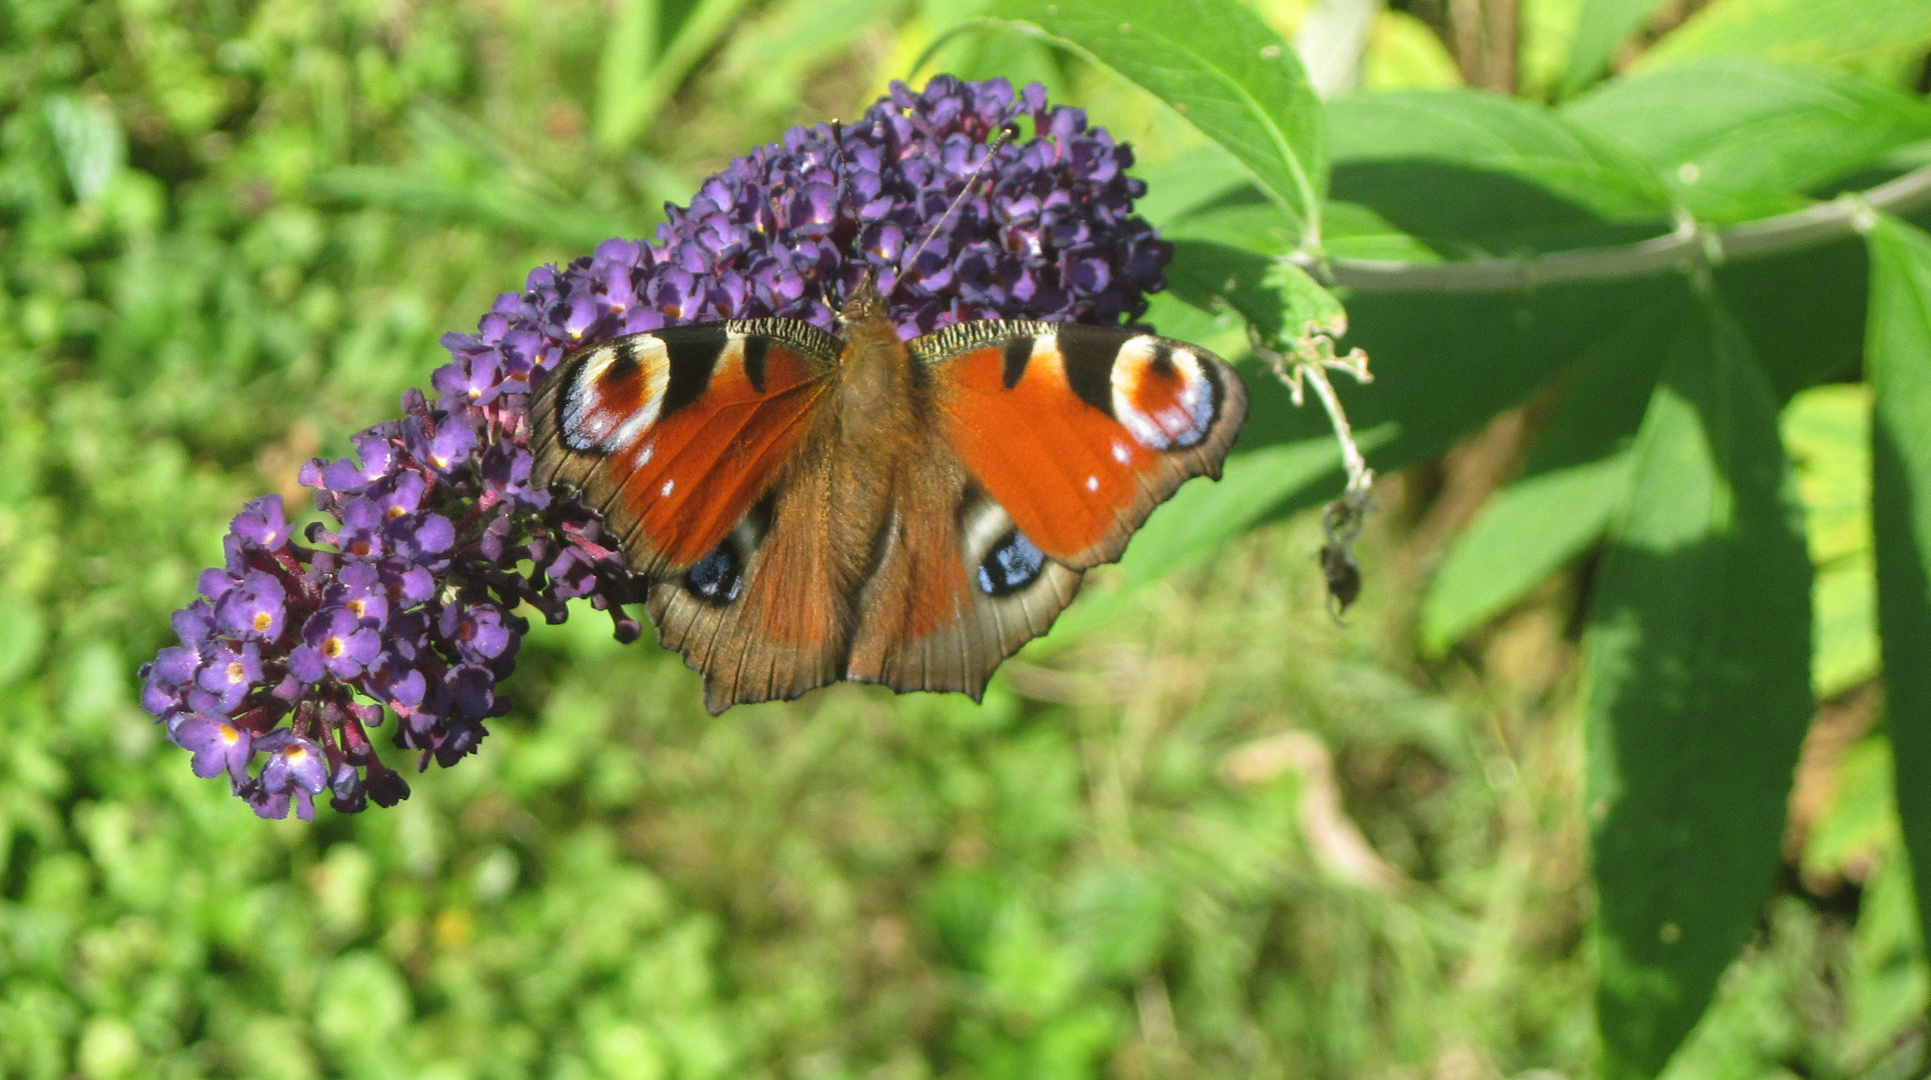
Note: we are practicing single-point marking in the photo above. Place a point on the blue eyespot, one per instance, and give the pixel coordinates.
(1014, 563)
(716, 578)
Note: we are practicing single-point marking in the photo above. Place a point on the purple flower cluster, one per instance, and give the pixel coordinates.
(407, 607)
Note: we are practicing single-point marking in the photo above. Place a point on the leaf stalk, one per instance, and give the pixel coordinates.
(1682, 250)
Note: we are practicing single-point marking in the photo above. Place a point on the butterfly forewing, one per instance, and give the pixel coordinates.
(1077, 431)
(673, 435)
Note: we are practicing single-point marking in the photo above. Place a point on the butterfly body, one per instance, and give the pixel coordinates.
(812, 507)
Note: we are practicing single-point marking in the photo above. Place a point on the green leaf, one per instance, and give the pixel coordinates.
(1761, 135)
(1698, 695)
(1803, 312)
(1828, 432)
(1278, 299)
(1573, 480)
(1245, 218)
(1471, 173)
(1444, 364)
(1898, 364)
(1526, 532)
(1185, 183)
(1835, 32)
(1223, 69)
(1601, 28)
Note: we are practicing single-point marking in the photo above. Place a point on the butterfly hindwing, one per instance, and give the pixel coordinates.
(674, 434)
(1078, 431)
(957, 589)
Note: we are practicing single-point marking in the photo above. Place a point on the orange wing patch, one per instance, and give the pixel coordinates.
(674, 435)
(689, 477)
(1079, 431)
(1062, 469)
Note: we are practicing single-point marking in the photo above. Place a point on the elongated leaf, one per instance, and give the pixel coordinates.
(1526, 532)
(1827, 430)
(1802, 311)
(495, 203)
(1898, 364)
(1698, 695)
(1601, 27)
(1470, 173)
(1574, 479)
(1837, 32)
(1219, 66)
(1761, 134)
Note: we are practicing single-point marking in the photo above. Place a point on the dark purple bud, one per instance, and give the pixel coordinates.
(469, 688)
(386, 787)
(346, 794)
(463, 738)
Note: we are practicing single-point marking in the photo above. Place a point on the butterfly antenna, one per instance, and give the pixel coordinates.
(838, 180)
(1007, 133)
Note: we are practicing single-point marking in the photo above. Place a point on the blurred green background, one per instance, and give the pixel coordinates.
(1214, 834)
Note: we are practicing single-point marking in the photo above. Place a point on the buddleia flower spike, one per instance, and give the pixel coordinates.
(407, 604)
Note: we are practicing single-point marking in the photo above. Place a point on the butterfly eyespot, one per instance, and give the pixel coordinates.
(1014, 563)
(717, 578)
(614, 394)
(1163, 396)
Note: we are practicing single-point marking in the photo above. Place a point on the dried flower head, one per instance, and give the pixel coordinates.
(407, 605)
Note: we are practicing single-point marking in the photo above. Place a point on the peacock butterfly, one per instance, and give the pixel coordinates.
(810, 507)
